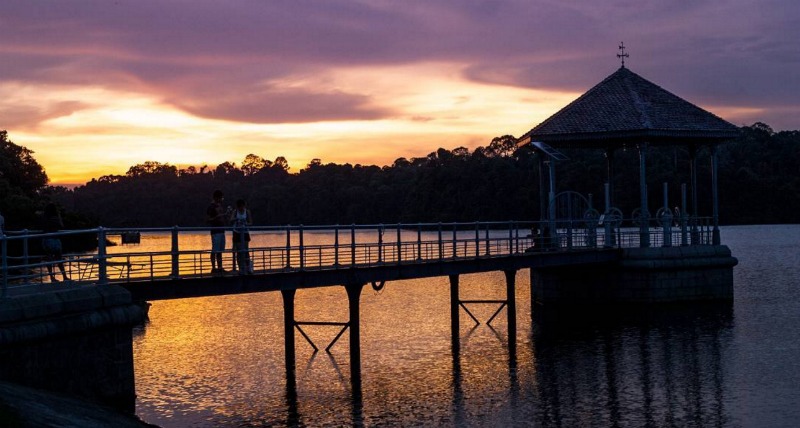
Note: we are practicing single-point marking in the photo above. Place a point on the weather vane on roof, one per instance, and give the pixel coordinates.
(622, 55)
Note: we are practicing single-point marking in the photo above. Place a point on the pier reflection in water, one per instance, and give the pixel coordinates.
(220, 362)
(658, 367)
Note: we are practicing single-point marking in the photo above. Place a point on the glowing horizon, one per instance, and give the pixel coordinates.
(138, 129)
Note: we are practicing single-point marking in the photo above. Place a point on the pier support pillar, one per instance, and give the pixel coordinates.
(511, 308)
(354, 300)
(454, 314)
(288, 333)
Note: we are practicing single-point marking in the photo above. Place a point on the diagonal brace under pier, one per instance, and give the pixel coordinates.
(502, 303)
(344, 325)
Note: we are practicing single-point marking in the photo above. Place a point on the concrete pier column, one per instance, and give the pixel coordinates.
(288, 336)
(354, 301)
(454, 314)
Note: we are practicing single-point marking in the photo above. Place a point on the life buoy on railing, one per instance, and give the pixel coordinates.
(590, 217)
(378, 285)
(664, 217)
(639, 218)
(612, 217)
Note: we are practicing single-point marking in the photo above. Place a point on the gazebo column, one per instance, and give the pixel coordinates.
(693, 172)
(610, 173)
(644, 229)
(542, 190)
(714, 195)
(539, 238)
(551, 199)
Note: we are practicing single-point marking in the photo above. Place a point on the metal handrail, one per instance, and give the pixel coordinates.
(385, 244)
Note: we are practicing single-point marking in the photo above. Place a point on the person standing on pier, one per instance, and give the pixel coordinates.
(241, 220)
(215, 218)
(51, 223)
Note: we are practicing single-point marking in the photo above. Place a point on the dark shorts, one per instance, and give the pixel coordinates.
(52, 246)
(217, 242)
(237, 237)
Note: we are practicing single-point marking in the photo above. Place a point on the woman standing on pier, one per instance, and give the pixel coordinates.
(241, 219)
(215, 217)
(52, 223)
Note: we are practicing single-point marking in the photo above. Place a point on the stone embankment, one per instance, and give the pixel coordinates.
(22, 407)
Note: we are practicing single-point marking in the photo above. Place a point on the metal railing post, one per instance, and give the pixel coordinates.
(569, 235)
(399, 245)
(487, 239)
(353, 244)
(102, 263)
(4, 248)
(455, 242)
(667, 220)
(302, 250)
(684, 230)
(380, 243)
(25, 252)
(288, 246)
(477, 239)
(441, 244)
(419, 241)
(336, 245)
(175, 253)
(608, 237)
(510, 237)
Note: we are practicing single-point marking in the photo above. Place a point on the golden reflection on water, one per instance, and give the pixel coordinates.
(206, 360)
(220, 362)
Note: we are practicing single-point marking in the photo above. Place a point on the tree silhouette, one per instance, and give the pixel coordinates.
(496, 182)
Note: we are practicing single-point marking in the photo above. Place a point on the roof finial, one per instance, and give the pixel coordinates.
(622, 55)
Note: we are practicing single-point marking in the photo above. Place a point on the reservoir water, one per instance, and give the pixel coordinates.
(219, 361)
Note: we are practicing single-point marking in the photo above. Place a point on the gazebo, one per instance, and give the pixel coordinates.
(626, 110)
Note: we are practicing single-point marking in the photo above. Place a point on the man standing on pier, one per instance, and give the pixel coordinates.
(215, 218)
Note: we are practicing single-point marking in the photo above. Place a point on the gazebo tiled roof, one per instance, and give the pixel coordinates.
(626, 108)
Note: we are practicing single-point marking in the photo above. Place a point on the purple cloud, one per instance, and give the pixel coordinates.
(224, 59)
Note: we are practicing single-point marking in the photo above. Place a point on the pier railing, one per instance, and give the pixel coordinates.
(299, 248)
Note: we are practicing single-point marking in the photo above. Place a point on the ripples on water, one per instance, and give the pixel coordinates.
(219, 361)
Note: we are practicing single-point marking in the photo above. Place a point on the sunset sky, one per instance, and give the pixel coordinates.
(93, 87)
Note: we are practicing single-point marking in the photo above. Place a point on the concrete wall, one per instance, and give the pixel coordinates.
(77, 341)
(643, 275)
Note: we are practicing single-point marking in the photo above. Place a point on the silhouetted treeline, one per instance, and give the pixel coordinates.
(759, 183)
(23, 195)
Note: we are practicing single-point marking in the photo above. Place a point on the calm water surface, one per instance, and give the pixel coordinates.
(219, 361)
